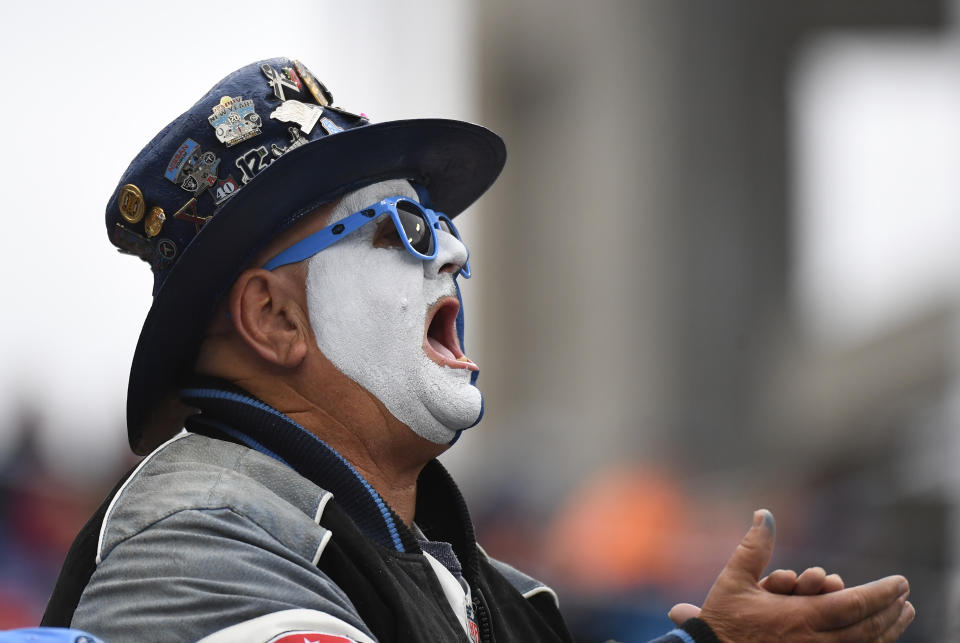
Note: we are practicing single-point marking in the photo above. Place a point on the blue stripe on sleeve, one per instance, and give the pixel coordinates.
(674, 636)
(681, 634)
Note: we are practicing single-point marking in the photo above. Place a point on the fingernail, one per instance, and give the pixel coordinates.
(903, 586)
(764, 517)
(911, 610)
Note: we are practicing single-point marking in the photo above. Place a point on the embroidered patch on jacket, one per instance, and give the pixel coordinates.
(309, 637)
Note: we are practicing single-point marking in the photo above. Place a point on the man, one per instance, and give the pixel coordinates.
(306, 303)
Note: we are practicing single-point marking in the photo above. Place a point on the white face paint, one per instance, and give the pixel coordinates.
(369, 308)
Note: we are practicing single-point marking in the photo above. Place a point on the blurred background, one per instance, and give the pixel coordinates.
(721, 271)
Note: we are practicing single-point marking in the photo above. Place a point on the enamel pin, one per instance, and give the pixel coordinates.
(201, 173)
(188, 212)
(225, 189)
(192, 169)
(252, 162)
(154, 222)
(234, 120)
(257, 159)
(279, 80)
(320, 93)
(179, 159)
(293, 111)
(130, 243)
(293, 78)
(330, 126)
(130, 201)
(348, 114)
(166, 253)
(296, 140)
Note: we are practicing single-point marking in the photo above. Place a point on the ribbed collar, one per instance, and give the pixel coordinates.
(229, 412)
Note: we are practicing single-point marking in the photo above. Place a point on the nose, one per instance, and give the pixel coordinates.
(451, 255)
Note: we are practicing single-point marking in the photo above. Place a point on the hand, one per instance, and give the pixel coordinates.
(740, 610)
(813, 580)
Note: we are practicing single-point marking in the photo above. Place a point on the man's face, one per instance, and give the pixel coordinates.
(387, 319)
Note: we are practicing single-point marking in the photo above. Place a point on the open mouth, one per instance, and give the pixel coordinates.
(440, 341)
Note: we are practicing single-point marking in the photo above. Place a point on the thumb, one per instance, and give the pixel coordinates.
(754, 551)
(681, 612)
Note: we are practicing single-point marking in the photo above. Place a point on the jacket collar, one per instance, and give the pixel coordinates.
(230, 413)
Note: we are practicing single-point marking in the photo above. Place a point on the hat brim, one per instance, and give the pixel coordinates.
(454, 160)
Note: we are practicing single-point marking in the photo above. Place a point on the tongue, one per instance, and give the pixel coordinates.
(440, 348)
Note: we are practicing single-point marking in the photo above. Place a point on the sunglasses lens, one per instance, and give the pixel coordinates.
(415, 227)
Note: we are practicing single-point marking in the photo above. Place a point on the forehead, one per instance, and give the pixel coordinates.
(359, 199)
(329, 213)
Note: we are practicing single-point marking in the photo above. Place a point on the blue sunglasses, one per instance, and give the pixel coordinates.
(416, 226)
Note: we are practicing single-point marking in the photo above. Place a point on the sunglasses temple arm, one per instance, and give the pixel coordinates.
(306, 248)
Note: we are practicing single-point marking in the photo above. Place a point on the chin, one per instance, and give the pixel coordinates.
(449, 401)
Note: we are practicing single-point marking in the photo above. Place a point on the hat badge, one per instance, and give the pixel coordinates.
(234, 120)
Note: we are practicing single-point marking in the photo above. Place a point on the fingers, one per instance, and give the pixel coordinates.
(907, 615)
(883, 627)
(810, 581)
(847, 607)
(754, 551)
(680, 612)
(781, 581)
(832, 583)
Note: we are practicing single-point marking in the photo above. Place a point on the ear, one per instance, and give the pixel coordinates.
(267, 312)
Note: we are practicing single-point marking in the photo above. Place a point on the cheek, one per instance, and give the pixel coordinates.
(370, 292)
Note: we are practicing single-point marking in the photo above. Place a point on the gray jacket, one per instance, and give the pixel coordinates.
(206, 535)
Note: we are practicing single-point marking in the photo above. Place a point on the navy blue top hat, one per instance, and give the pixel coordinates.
(262, 148)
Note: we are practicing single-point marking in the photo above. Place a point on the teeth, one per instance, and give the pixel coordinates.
(470, 365)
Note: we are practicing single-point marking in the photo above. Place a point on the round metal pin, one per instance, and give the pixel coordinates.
(154, 221)
(166, 253)
(131, 204)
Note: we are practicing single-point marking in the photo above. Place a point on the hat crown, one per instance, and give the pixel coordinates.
(204, 157)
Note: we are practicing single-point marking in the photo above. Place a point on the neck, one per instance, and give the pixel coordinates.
(388, 454)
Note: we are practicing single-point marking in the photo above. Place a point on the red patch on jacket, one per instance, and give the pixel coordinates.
(311, 637)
